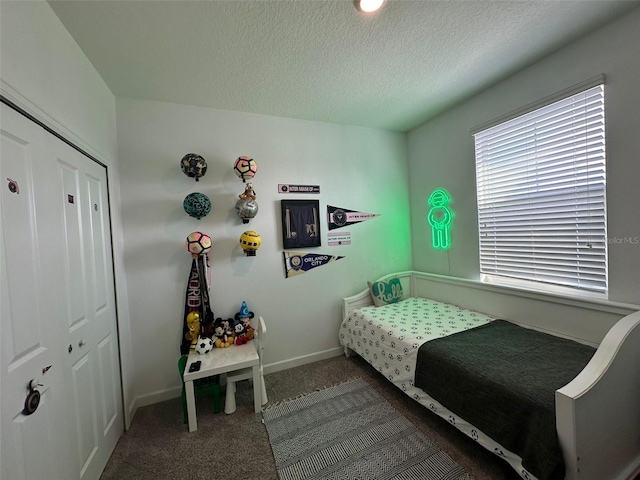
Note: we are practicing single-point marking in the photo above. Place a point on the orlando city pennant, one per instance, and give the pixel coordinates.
(299, 263)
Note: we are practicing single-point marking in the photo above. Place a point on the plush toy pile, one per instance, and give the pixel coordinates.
(221, 332)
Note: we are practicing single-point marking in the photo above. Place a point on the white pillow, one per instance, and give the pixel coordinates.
(384, 292)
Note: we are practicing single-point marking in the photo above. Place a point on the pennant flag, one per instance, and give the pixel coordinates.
(340, 217)
(299, 263)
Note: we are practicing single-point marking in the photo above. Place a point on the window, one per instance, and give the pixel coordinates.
(541, 197)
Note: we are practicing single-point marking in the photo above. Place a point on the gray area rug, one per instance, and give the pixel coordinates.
(350, 432)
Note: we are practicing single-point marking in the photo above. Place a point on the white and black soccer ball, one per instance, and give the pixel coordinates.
(245, 168)
(198, 243)
(204, 345)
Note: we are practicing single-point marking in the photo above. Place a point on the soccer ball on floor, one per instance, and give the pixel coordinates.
(245, 168)
(198, 243)
(204, 345)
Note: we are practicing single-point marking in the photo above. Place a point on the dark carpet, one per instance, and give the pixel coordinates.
(159, 446)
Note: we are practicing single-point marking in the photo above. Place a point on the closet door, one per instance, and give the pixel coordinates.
(58, 308)
(31, 445)
(90, 345)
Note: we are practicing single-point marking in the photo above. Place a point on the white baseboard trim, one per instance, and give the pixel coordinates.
(303, 360)
(633, 471)
(174, 392)
(157, 396)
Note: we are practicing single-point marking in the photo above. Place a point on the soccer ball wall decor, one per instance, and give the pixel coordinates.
(204, 345)
(198, 243)
(197, 205)
(245, 168)
(247, 207)
(250, 242)
(193, 165)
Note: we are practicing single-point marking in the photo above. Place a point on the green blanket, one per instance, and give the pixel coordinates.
(502, 379)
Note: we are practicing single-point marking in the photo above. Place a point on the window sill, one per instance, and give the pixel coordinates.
(600, 304)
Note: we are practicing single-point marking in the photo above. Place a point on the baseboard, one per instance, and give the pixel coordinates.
(174, 392)
(632, 471)
(157, 396)
(303, 360)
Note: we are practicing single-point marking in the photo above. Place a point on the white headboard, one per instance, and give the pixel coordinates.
(586, 321)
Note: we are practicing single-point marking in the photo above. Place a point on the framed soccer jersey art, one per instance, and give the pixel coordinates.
(300, 223)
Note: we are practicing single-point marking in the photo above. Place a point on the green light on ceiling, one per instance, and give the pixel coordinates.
(440, 218)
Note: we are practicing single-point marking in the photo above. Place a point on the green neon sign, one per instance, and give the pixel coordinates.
(440, 218)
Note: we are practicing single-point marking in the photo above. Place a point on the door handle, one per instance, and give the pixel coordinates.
(33, 398)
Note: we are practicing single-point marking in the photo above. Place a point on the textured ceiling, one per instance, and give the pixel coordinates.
(320, 59)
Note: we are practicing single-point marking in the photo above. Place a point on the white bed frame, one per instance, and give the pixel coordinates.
(598, 412)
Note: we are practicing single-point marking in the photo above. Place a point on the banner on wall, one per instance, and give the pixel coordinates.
(285, 188)
(298, 263)
(196, 301)
(335, 239)
(340, 217)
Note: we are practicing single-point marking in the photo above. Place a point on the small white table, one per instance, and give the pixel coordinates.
(217, 361)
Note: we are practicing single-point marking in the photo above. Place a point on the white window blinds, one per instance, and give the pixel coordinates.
(541, 195)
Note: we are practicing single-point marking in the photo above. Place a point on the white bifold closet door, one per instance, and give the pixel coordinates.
(58, 327)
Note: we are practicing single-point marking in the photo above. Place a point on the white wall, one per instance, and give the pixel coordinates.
(356, 168)
(46, 73)
(441, 152)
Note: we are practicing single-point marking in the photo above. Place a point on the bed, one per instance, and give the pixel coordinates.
(589, 425)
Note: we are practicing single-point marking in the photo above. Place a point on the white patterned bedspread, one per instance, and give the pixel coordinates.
(388, 337)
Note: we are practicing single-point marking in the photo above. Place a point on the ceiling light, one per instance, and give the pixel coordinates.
(368, 6)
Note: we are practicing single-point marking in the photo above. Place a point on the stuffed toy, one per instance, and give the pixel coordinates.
(229, 327)
(244, 316)
(222, 337)
(241, 333)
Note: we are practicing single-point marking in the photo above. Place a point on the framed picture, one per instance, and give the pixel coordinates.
(300, 223)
